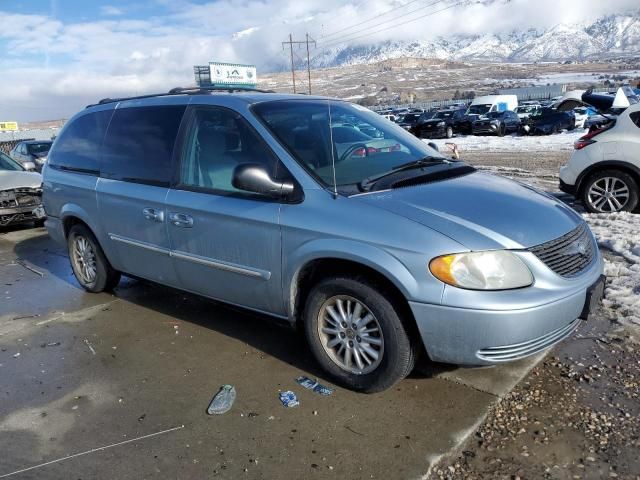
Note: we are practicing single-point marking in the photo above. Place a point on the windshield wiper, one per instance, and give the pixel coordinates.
(368, 182)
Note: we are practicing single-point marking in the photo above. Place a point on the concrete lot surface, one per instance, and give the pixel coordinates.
(92, 373)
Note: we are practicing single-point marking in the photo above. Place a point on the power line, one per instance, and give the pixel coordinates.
(291, 42)
(386, 21)
(369, 19)
(330, 44)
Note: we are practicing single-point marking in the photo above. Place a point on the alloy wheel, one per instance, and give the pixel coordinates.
(608, 194)
(84, 259)
(350, 334)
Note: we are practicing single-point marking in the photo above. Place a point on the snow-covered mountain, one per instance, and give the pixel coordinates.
(608, 36)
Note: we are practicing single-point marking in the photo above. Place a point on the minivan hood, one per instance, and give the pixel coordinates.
(481, 211)
(10, 180)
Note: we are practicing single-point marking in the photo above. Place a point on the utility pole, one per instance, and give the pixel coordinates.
(308, 40)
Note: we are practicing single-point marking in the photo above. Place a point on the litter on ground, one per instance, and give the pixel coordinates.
(222, 401)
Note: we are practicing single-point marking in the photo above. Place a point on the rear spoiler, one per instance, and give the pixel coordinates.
(602, 102)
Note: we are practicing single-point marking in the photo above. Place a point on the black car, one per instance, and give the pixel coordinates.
(440, 125)
(409, 120)
(496, 123)
(548, 120)
(35, 151)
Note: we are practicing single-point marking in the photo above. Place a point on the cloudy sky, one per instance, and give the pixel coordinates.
(58, 55)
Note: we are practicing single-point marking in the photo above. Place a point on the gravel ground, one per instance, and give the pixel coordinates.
(577, 414)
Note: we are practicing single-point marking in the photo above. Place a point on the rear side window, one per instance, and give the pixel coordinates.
(139, 144)
(635, 118)
(78, 146)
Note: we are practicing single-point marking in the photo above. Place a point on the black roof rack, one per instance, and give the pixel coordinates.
(184, 91)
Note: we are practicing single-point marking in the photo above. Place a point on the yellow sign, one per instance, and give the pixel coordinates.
(8, 126)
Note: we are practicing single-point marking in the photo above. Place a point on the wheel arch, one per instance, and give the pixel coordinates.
(620, 165)
(378, 266)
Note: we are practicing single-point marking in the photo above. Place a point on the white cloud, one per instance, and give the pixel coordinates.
(110, 10)
(54, 68)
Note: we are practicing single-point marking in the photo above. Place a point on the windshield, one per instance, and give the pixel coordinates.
(38, 148)
(409, 117)
(480, 109)
(7, 163)
(542, 112)
(495, 114)
(445, 114)
(526, 109)
(302, 126)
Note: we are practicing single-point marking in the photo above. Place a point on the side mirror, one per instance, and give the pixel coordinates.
(254, 178)
(434, 146)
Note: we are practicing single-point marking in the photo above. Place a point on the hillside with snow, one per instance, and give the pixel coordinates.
(610, 36)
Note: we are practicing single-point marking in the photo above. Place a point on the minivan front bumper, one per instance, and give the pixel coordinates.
(466, 336)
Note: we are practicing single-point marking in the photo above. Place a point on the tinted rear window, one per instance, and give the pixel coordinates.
(139, 144)
(78, 146)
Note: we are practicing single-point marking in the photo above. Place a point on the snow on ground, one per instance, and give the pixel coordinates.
(523, 143)
(619, 233)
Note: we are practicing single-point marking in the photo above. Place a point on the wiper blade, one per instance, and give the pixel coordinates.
(368, 182)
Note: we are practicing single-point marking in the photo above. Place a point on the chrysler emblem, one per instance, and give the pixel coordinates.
(578, 248)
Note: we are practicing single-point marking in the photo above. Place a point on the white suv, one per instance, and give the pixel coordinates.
(604, 170)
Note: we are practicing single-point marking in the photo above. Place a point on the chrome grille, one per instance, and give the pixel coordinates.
(569, 254)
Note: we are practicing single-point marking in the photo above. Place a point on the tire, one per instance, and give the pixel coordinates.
(555, 130)
(449, 132)
(502, 130)
(613, 181)
(104, 277)
(396, 351)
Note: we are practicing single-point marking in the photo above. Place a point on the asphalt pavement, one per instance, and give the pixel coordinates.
(117, 386)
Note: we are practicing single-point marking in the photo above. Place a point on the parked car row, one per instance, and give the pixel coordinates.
(494, 115)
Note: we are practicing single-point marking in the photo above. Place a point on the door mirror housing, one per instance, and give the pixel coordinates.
(254, 178)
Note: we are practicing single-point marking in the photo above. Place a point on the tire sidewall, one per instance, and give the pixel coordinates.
(632, 203)
(396, 342)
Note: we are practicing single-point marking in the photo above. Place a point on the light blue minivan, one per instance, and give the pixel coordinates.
(324, 214)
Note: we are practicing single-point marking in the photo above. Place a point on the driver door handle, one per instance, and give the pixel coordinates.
(181, 220)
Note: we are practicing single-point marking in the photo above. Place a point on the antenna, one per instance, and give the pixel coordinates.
(333, 157)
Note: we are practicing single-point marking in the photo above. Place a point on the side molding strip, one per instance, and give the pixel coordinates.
(220, 265)
(230, 267)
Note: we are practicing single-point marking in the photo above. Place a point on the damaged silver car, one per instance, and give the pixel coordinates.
(20, 194)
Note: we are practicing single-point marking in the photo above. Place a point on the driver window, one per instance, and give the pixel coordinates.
(218, 142)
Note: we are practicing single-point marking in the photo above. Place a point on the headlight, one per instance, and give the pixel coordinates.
(493, 270)
(41, 160)
(441, 124)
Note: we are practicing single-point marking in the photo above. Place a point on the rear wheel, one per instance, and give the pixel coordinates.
(90, 267)
(356, 334)
(610, 191)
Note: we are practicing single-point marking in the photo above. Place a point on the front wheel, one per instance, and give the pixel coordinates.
(357, 335)
(610, 191)
(90, 267)
(449, 132)
(502, 130)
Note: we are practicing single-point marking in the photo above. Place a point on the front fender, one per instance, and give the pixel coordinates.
(368, 255)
